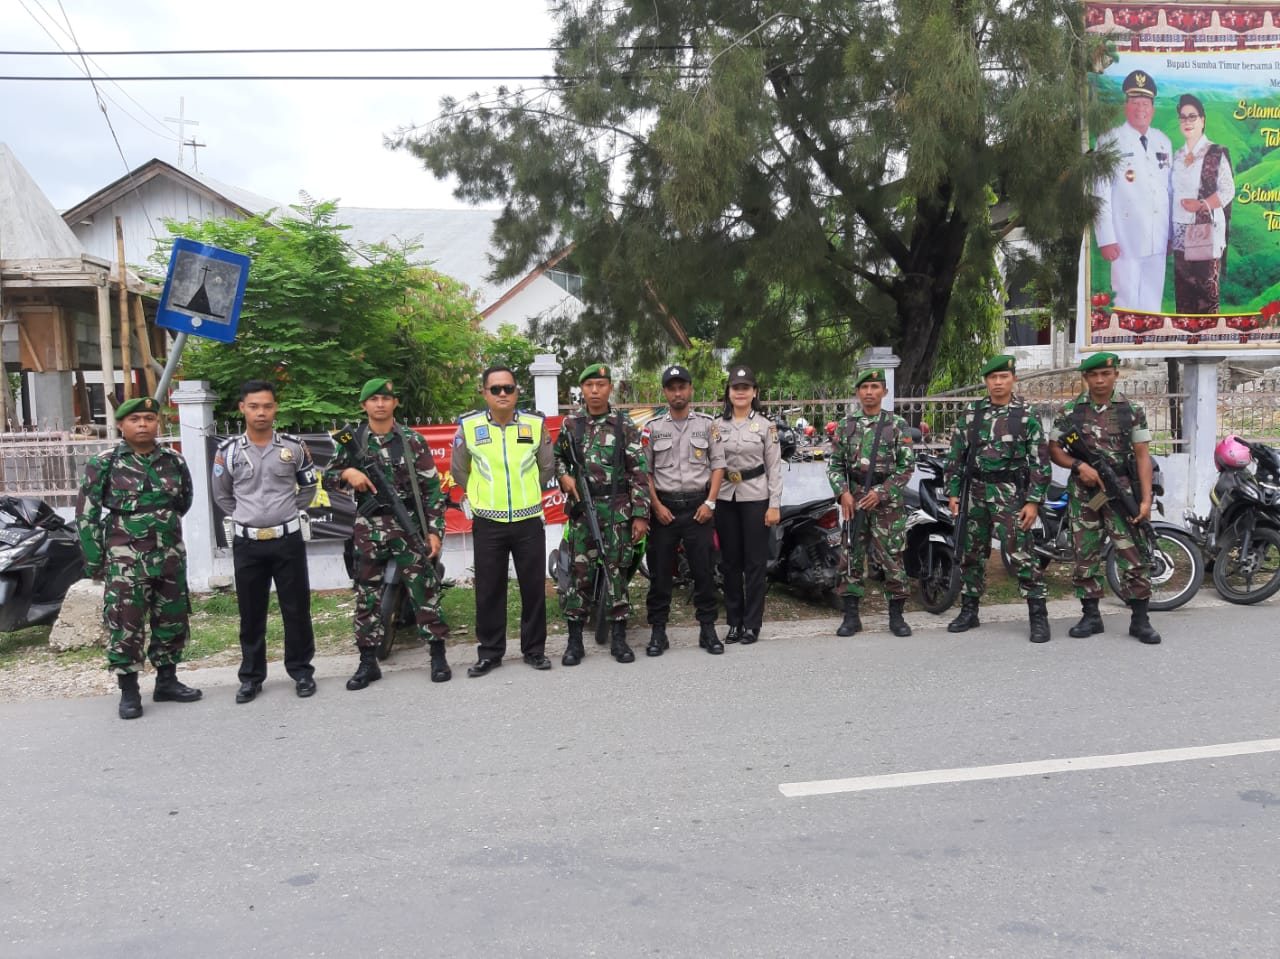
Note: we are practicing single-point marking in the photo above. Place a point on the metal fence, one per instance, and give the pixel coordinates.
(48, 464)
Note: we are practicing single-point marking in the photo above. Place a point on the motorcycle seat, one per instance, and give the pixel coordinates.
(796, 508)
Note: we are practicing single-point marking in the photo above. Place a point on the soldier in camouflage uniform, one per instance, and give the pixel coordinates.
(883, 527)
(597, 430)
(382, 452)
(1009, 473)
(1113, 430)
(129, 510)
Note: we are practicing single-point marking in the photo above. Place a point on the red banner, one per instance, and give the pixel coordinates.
(456, 521)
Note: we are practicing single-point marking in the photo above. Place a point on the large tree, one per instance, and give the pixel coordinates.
(796, 168)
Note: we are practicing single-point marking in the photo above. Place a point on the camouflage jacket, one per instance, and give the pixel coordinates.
(1102, 430)
(599, 437)
(393, 471)
(131, 503)
(851, 454)
(1010, 438)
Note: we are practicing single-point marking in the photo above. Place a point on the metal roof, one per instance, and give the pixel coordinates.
(30, 228)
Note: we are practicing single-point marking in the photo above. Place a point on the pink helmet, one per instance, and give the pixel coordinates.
(1231, 453)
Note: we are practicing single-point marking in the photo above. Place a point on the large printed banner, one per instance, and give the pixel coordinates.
(332, 514)
(1184, 255)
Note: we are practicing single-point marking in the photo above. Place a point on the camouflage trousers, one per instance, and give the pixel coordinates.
(993, 508)
(377, 541)
(1090, 529)
(617, 564)
(142, 587)
(883, 536)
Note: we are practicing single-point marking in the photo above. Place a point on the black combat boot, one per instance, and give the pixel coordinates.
(440, 671)
(851, 623)
(169, 690)
(130, 698)
(1039, 616)
(657, 641)
(1090, 620)
(897, 625)
(1139, 625)
(968, 618)
(574, 652)
(618, 643)
(708, 639)
(368, 671)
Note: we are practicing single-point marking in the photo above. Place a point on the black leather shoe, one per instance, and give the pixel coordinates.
(482, 667)
(734, 635)
(658, 641)
(247, 691)
(749, 636)
(709, 641)
(537, 662)
(306, 686)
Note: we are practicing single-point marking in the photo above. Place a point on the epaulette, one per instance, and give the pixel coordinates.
(538, 413)
(467, 416)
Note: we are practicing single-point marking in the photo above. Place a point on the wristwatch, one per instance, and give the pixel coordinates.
(1075, 467)
(710, 504)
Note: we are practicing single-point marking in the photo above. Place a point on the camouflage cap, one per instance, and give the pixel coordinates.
(1139, 84)
(1099, 361)
(141, 404)
(380, 386)
(873, 375)
(596, 371)
(1004, 363)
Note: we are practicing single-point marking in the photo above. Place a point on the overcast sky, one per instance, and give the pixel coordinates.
(274, 137)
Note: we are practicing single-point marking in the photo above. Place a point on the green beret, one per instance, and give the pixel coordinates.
(1099, 361)
(380, 386)
(596, 371)
(141, 404)
(999, 364)
(873, 375)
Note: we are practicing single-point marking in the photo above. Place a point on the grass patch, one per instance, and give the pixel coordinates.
(12, 645)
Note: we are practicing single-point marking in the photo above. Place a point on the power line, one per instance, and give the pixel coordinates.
(433, 78)
(332, 50)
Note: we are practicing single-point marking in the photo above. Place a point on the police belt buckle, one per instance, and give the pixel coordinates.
(734, 476)
(265, 533)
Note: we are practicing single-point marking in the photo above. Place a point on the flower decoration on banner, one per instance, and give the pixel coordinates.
(1270, 310)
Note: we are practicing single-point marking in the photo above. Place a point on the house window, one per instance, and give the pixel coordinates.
(571, 283)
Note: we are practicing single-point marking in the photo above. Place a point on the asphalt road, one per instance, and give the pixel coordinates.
(636, 810)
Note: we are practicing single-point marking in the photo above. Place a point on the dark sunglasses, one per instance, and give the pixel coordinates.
(501, 388)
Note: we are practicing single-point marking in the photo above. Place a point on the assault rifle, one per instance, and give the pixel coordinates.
(966, 484)
(600, 583)
(383, 492)
(853, 525)
(1113, 491)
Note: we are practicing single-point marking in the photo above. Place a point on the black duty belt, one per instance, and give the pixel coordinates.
(682, 500)
(604, 489)
(998, 476)
(860, 476)
(741, 476)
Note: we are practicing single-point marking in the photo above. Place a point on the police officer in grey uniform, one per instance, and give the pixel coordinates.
(685, 467)
(749, 502)
(262, 480)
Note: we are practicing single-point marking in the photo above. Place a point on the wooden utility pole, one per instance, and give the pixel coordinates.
(144, 344)
(108, 355)
(126, 356)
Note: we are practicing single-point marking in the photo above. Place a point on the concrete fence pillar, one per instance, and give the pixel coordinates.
(545, 370)
(195, 401)
(1200, 427)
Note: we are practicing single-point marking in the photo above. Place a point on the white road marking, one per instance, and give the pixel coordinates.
(930, 777)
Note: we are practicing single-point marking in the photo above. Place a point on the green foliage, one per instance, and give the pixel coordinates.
(320, 318)
(810, 177)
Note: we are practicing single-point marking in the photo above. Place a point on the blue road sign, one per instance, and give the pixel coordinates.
(204, 291)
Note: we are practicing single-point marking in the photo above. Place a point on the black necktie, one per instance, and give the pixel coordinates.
(1143, 139)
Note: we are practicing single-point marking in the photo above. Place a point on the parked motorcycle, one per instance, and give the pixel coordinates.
(1242, 530)
(930, 549)
(39, 560)
(1176, 568)
(804, 549)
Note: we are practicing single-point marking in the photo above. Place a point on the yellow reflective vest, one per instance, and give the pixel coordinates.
(504, 483)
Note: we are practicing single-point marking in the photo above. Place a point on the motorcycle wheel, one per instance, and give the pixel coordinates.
(940, 584)
(1248, 579)
(1177, 570)
(391, 604)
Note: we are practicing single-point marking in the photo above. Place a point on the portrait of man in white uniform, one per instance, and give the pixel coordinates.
(1133, 221)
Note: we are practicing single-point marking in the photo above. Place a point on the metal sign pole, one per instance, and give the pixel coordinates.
(175, 354)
